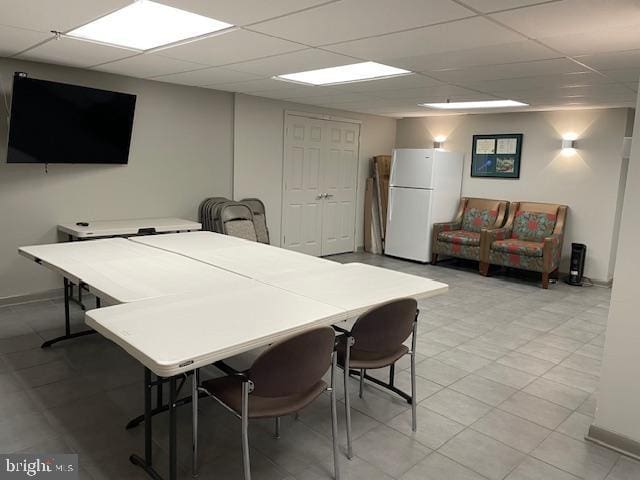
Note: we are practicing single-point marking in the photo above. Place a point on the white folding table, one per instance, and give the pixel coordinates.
(117, 270)
(251, 259)
(125, 228)
(187, 300)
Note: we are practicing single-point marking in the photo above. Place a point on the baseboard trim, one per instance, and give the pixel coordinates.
(32, 297)
(614, 441)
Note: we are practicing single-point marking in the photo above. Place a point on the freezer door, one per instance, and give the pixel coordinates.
(408, 224)
(412, 168)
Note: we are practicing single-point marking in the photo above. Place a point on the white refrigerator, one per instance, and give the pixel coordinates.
(424, 189)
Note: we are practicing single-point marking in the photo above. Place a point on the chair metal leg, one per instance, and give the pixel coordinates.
(362, 373)
(277, 428)
(334, 419)
(194, 421)
(347, 400)
(414, 420)
(246, 464)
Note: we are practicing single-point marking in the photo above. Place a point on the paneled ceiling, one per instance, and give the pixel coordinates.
(553, 54)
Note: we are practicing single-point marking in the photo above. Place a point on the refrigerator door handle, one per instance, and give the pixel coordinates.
(390, 204)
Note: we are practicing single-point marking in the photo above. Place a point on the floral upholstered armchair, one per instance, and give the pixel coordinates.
(530, 240)
(461, 237)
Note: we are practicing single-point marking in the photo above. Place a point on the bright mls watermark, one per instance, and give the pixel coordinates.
(39, 466)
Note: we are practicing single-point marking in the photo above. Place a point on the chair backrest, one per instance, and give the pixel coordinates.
(259, 218)
(293, 365)
(237, 221)
(482, 213)
(533, 221)
(385, 327)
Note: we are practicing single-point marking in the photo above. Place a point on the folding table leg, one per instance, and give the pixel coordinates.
(67, 320)
(146, 463)
(194, 421)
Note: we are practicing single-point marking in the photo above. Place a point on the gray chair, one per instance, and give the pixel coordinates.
(377, 341)
(259, 218)
(283, 380)
(236, 219)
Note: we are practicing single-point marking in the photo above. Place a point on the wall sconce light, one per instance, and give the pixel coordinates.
(438, 142)
(569, 144)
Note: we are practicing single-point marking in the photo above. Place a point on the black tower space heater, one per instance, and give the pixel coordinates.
(576, 270)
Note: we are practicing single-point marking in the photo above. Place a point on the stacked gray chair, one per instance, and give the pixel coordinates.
(259, 218)
(206, 212)
(236, 220)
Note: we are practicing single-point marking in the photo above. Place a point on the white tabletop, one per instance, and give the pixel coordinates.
(251, 259)
(356, 287)
(118, 270)
(173, 335)
(112, 228)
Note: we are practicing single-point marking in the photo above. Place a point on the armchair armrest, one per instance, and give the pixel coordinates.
(552, 251)
(488, 236)
(445, 227)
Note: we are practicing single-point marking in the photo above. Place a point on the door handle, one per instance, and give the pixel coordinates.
(328, 195)
(321, 196)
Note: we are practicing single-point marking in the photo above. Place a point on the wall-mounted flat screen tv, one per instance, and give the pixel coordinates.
(59, 123)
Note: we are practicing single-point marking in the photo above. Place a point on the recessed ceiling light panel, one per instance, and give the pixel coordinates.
(356, 72)
(144, 25)
(480, 104)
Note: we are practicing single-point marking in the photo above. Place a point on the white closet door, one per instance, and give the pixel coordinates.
(339, 171)
(302, 200)
(320, 178)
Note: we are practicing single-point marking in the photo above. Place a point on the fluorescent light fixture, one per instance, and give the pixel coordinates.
(480, 104)
(144, 25)
(356, 72)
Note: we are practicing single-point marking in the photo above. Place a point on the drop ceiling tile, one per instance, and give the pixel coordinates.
(76, 53)
(148, 65)
(252, 86)
(61, 15)
(349, 20)
(612, 60)
(624, 74)
(245, 11)
(437, 39)
(482, 55)
(487, 6)
(300, 61)
(443, 92)
(334, 99)
(297, 93)
(206, 77)
(529, 83)
(401, 82)
(14, 40)
(231, 47)
(571, 16)
(509, 70)
(604, 39)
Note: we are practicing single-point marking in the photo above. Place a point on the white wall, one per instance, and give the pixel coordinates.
(258, 153)
(181, 152)
(619, 392)
(587, 182)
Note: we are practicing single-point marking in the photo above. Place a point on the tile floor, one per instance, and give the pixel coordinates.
(507, 384)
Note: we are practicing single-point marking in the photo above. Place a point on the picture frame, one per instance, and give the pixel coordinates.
(496, 156)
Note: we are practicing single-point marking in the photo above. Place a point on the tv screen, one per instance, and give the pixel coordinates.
(58, 123)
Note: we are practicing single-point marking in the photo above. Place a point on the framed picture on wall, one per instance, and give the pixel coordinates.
(496, 156)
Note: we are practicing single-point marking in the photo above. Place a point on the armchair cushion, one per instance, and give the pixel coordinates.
(518, 247)
(533, 226)
(460, 237)
(475, 219)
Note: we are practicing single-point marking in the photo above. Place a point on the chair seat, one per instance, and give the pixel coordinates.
(514, 246)
(368, 360)
(460, 237)
(229, 391)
